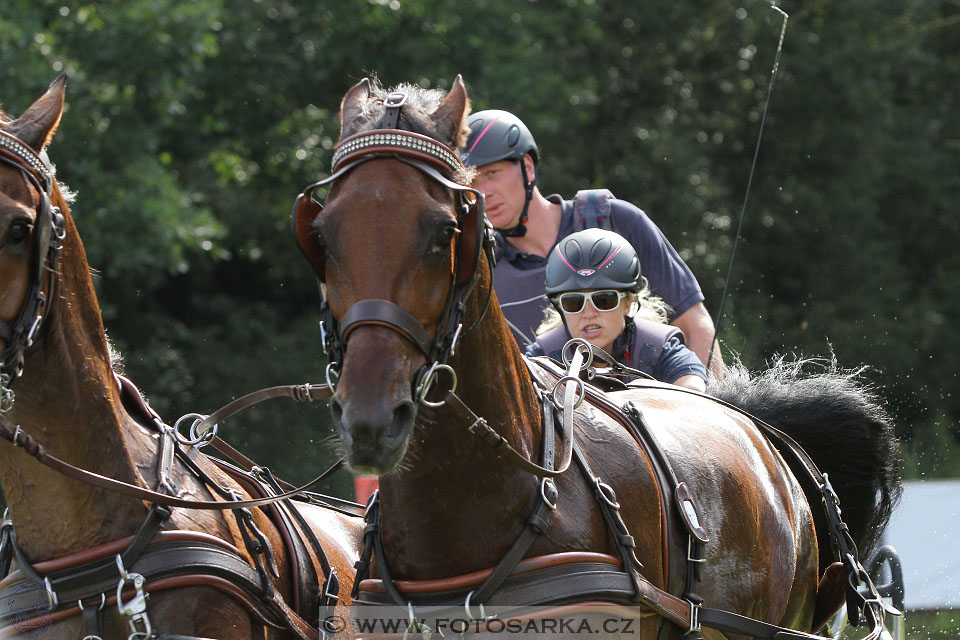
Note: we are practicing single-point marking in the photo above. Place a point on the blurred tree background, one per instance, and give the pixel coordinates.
(191, 126)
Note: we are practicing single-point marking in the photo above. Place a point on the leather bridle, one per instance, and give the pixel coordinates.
(48, 234)
(475, 236)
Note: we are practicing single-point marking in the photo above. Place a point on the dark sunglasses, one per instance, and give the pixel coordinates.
(602, 300)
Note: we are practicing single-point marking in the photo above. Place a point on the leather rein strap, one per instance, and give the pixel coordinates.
(22, 439)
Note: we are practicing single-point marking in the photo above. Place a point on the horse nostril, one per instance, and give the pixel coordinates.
(403, 415)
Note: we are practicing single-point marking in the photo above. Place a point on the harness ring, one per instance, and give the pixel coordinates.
(331, 382)
(577, 343)
(194, 439)
(581, 391)
(429, 378)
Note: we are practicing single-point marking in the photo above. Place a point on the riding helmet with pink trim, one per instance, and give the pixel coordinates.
(497, 135)
(592, 259)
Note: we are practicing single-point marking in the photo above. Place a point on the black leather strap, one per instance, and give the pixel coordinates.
(384, 312)
(392, 106)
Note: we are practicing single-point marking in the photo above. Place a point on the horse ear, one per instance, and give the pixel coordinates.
(36, 125)
(352, 107)
(450, 117)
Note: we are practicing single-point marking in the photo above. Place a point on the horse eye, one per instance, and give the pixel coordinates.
(18, 232)
(446, 235)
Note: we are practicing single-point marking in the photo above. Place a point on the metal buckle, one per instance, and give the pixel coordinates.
(694, 617)
(483, 614)
(456, 337)
(395, 99)
(415, 626)
(690, 557)
(52, 599)
(323, 336)
(33, 330)
(546, 483)
(476, 423)
(607, 493)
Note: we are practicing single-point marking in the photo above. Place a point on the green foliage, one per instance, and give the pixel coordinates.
(192, 125)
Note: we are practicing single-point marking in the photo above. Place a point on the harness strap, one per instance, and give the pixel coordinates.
(482, 430)
(91, 625)
(20, 438)
(301, 393)
(388, 314)
(328, 594)
(536, 524)
(164, 558)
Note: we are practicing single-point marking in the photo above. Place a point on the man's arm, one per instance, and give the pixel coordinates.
(697, 327)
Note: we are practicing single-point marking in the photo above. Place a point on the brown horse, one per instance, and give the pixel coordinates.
(399, 244)
(217, 573)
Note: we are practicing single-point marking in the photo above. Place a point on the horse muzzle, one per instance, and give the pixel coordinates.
(373, 408)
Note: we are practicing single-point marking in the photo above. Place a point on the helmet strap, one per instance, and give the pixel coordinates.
(520, 229)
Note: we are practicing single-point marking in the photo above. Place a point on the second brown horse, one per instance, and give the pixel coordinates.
(397, 250)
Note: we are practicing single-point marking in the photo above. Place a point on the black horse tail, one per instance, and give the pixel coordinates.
(840, 422)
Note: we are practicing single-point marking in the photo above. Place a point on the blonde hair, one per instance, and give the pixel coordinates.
(643, 305)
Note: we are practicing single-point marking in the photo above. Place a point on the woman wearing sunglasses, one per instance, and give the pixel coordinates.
(593, 279)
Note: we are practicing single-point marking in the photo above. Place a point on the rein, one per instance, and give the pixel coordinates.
(48, 235)
(20, 438)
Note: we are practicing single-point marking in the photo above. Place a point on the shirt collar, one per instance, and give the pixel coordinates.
(511, 253)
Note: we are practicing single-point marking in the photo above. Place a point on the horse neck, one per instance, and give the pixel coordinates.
(455, 480)
(68, 401)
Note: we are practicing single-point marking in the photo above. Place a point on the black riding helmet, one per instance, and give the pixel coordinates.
(593, 259)
(499, 135)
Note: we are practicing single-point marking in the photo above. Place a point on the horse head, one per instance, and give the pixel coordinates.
(31, 229)
(395, 247)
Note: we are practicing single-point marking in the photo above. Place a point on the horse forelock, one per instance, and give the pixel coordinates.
(414, 117)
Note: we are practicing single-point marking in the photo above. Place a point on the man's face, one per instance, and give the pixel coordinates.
(502, 185)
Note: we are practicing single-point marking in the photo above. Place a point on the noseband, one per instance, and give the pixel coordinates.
(49, 232)
(430, 157)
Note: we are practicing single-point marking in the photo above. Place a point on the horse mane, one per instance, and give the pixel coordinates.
(841, 423)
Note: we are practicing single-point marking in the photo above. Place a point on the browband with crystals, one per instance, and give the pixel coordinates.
(392, 140)
(13, 146)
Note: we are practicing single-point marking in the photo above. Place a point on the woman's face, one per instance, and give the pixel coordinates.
(599, 328)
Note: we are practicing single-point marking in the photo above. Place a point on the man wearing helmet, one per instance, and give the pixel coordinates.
(593, 279)
(505, 154)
